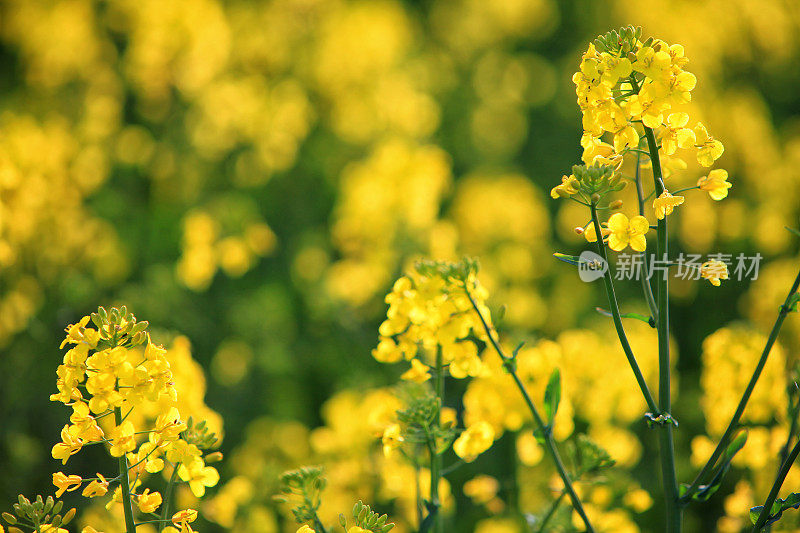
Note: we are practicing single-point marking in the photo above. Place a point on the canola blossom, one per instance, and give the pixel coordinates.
(259, 175)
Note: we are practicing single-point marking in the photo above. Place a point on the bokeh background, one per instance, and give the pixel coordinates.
(251, 176)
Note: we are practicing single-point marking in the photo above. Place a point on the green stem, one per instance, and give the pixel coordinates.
(734, 423)
(776, 487)
(168, 493)
(671, 496)
(546, 430)
(612, 303)
(551, 512)
(127, 503)
(646, 288)
(436, 458)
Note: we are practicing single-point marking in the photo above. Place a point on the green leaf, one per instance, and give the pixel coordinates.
(637, 316)
(792, 305)
(571, 259)
(736, 445)
(552, 396)
(704, 492)
(792, 501)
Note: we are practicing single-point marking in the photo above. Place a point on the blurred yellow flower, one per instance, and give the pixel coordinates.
(475, 440)
(714, 271)
(418, 373)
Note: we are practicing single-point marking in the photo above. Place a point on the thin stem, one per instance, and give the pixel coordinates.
(685, 189)
(646, 288)
(318, 527)
(733, 424)
(551, 512)
(667, 447)
(418, 490)
(793, 411)
(127, 503)
(547, 431)
(436, 458)
(623, 338)
(168, 493)
(776, 487)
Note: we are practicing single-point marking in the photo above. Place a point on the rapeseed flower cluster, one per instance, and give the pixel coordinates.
(631, 92)
(428, 314)
(124, 396)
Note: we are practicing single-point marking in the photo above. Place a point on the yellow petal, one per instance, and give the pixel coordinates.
(618, 223)
(618, 241)
(639, 225)
(638, 243)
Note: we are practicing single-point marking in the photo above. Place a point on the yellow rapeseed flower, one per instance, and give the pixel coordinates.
(198, 475)
(665, 203)
(148, 501)
(591, 235)
(392, 439)
(714, 271)
(626, 232)
(418, 373)
(98, 487)
(708, 148)
(475, 440)
(66, 483)
(715, 184)
(568, 187)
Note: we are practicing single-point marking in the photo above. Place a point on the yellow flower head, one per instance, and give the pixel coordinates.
(665, 203)
(123, 439)
(182, 518)
(715, 184)
(392, 439)
(481, 489)
(591, 235)
(714, 271)
(418, 373)
(626, 232)
(148, 502)
(198, 475)
(708, 148)
(305, 529)
(475, 440)
(568, 187)
(676, 134)
(66, 483)
(98, 487)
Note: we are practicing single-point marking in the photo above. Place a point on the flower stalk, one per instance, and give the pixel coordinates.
(125, 487)
(733, 425)
(546, 429)
(667, 448)
(614, 307)
(436, 457)
(761, 521)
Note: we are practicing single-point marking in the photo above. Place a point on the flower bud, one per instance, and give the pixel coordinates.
(579, 230)
(616, 204)
(213, 457)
